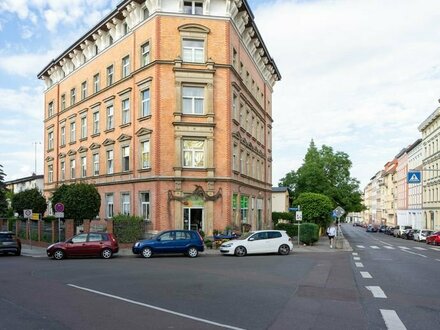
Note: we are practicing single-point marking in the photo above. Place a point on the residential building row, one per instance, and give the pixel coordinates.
(166, 107)
(391, 198)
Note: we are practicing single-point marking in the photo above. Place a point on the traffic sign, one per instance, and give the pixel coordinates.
(59, 214)
(59, 207)
(338, 212)
(299, 216)
(414, 177)
(27, 213)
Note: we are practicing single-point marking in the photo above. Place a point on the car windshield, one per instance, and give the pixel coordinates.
(246, 235)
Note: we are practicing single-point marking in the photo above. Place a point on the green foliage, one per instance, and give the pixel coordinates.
(81, 200)
(208, 243)
(3, 192)
(290, 228)
(277, 216)
(128, 229)
(309, 233)
(326, 172)
(316, 208)
(29, 199)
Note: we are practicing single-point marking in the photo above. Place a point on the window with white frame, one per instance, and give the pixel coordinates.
(125, 203)
(242, 168)
(83, 166)
(72, 132)
(194, 153)
(109, 161)
(63, 101)
(125, 158)
(126, 28)
(145, 54)
(145, 12)
(110, 117)
(72, 96)
(50, 140)
(96, 122)
(110, 74)
(83, 127)
(145, 155)
(96, 81)
(234, 106)
(235, 158)
(145, 103)
(83, 90)
(125, 111)
(244, 208)
(192, 100)
(125, 66)
(109, 206)
(193, 50)
(95, 158)
(50, 173)
(50, 109)
(145, 205)
(62, 170)
(63, 135)
(193, 7)
(72, 168)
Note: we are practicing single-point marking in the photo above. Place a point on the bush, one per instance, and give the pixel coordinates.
(290, 228)
(128, 229)
(277, 216)
(208, 243)
(309, 233)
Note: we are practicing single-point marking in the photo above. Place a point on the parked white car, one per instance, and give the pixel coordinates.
(261, 241)
(422, 234)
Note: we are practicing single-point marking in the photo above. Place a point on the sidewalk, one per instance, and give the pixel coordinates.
(321, 246)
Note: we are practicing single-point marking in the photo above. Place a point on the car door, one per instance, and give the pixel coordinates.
(165, 242)
(77, 245)
(94, 244)
(182, 241)
(256, 242)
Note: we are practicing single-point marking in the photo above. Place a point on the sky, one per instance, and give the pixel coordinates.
(359, 76)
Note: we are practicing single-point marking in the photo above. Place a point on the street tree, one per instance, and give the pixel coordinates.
(29, 199)
(3, 191)
(316, 208)
(81, 200)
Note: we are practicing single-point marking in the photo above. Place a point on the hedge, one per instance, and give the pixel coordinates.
(128, 229)
(309, 233)
(276, 216)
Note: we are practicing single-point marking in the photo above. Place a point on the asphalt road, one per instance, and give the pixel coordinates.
(299, 291)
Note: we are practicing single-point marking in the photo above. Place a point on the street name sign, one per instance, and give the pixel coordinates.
(414, 177)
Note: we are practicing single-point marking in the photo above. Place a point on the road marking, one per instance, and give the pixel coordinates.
(403, 247)
(417, 254)
(386, 243)
(356, 258)
(360, 246)
(376, 291)
(156, 308)
(366, 275)
(354, 253)
(435, 249)
(420, 248)
(359, 264)
(374, 247)
(392, 320)
(437, 259)
(389, 247)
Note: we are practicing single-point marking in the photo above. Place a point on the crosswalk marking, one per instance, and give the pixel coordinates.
(389, 247)
(392, 320)
(359, 264)
(366, 275)
(420, 248)
(374, 247)
(376, 291)
(360, 246)
(435, 249)
(403, 247)
(356, 258)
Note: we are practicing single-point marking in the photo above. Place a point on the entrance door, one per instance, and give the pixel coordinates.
(193, 218)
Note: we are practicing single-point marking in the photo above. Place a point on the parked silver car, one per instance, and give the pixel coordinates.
(422, 234)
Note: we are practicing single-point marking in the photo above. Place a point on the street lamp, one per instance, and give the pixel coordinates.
(35, 145)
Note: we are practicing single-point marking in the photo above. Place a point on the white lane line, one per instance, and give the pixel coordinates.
(376, 291)
(417, 254)
(356, 258)
(437, 259)
(359, 264)
(360, 246)
(392, 320)
(386, 243)
(354, 253)
(389, 247)
(366, 275)
(420, 248)
(374, 247)
(403, 247)
(156, 308)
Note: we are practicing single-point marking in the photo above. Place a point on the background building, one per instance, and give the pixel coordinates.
(280, 199)
(167, 108)
(415, 162)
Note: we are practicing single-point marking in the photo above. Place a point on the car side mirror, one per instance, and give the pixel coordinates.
(251, 239)
(69, 241)
(158, 238)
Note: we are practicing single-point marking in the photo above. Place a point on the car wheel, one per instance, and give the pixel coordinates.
(146, 252)
(284, 250)
(240, 251)
(106, 253)
(58, 254)
(192, 252)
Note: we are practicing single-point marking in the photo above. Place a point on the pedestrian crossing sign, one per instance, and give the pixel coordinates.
(414, 177)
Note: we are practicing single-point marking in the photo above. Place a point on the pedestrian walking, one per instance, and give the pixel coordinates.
(331, 233)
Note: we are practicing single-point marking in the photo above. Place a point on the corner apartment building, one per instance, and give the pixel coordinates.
(166, 107)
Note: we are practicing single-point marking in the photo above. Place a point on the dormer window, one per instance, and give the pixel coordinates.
(145, 12)
(193, 7)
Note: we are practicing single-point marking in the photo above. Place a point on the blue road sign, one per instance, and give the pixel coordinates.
(291, 209)
(414, 177)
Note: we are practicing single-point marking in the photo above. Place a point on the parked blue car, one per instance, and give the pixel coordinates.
(188, 242)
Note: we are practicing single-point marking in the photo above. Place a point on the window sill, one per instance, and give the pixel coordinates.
(109, 130)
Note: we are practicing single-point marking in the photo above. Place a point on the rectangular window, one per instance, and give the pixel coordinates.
(95, 164)
(72, 96)
(145, 99)
(193, 50)
(83, 90)
(50, 173)
(110, 116)
(194, 153)
(83, 167)
(83, 127)
(244, 208)
(145, 206)
(192, 100)
(125, 159)
(145, 12)
(125, 203)
(72, 168)
(125, 66)
(126, 28)
(96, 83)
(72, 132)
(145, 53)
(63, 101)
(125, 111)
(193, 7)
(50, 140)
(234, 58)
(234, 206)
(235, 158)
(96, 122)
(109, 161)
(50, 109)
(62, 170)
(109, 206)
(110, 72)
(234, 106)
(145, 154)
(63, 135)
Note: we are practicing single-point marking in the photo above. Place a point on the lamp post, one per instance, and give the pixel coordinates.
(35, 145)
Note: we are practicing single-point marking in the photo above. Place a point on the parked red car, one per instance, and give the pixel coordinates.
(433, 239)
(85, 245)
